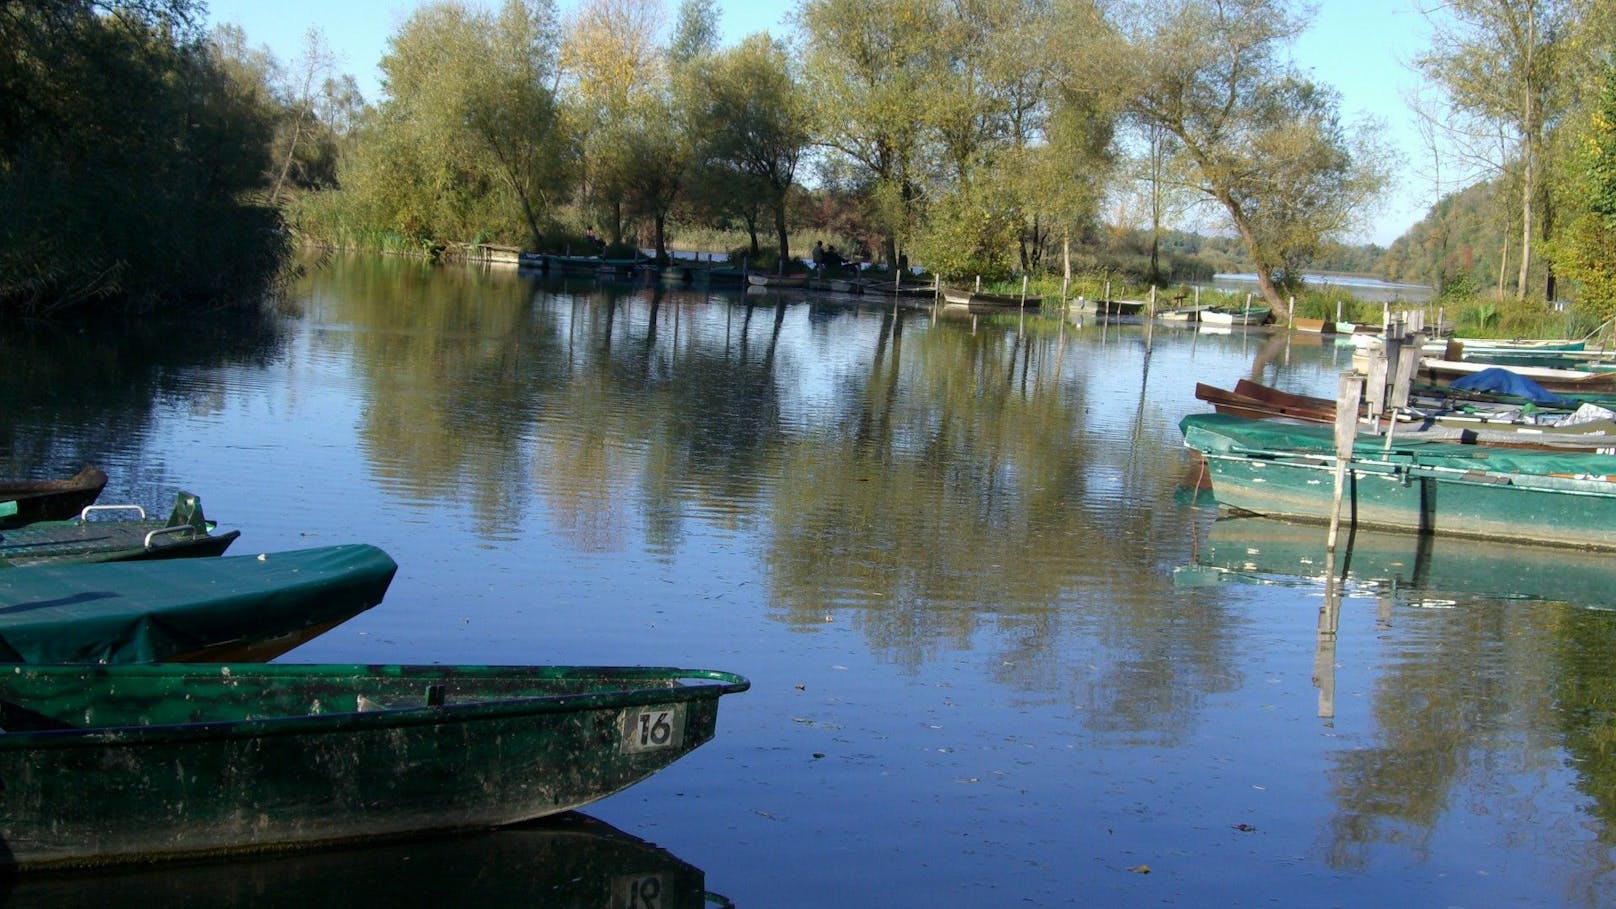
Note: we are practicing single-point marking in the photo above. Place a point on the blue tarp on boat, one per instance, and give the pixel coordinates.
(1501, 381)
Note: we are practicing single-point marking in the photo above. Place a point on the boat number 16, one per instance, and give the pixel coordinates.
(650, 728)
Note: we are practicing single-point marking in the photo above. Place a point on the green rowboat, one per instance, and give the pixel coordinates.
(1519, 495)
(110, 764)
(123, 535)
(230, 608)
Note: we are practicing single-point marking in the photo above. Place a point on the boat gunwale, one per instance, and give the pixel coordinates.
(495, 707)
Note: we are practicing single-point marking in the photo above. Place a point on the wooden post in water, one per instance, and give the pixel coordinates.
(1023, 291)
(1150, 310)
(1348, 390)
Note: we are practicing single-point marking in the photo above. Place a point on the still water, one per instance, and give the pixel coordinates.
(1000, 655)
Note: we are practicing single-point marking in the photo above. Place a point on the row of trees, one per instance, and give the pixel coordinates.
(982, 137)
(974, 137)
(1514, 106)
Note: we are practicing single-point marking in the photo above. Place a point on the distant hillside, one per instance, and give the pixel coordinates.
(1457, 246)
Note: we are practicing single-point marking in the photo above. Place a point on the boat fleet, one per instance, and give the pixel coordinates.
(140, 720)
(1484, 453)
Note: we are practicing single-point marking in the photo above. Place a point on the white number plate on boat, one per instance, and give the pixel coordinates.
(651, 728)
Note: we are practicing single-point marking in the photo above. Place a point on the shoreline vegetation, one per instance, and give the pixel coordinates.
(154, 166)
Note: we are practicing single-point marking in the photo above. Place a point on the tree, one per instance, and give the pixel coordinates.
(1265, 143)
(756, 122)
(469, 138)
(1500, 64)
(128, 153)
(610, 60)
(313, 69)
(867, 66)
(1585, 254)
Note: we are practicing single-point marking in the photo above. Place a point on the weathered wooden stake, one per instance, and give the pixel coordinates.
(1349, 388)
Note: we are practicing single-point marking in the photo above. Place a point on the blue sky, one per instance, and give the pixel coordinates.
(1360, 47)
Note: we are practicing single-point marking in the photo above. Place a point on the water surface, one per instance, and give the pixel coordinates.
(999, 655)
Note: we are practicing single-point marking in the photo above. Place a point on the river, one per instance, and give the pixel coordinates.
(1000, 654)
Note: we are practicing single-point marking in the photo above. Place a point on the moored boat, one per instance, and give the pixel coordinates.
(114, 764)
(26, 501)
(1287, 471)
(1430, 419)
(123, 535)
(977, 301)
(227, 608)
(1556, 379)
(1236, 315)
(759, 279)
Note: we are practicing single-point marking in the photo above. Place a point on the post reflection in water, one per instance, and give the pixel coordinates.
(995, 653)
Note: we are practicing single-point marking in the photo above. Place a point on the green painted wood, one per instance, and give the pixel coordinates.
(1519, 495)
(105, 764)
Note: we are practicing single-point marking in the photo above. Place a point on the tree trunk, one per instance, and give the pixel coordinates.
(661, 239)
(780, 231)
(1527, 192)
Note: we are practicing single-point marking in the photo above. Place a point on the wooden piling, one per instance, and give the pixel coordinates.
(1349, 389)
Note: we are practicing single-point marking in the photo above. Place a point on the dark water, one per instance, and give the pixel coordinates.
(998, 657)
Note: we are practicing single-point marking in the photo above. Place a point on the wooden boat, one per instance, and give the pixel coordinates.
(112, 764)
(758, 279)
(1554, 379)
(1183, 313)
(1314, 326)
(26, 501)
(1119, 307)
(570, 859)
(228, 608)
(1236, 315)
(124, 536)
(1287, 471)
(977, 301)
(1254, 400)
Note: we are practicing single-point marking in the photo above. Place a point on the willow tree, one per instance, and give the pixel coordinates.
(869, 66)
(611, 64)
(753, 112)
(468, 138)
(1265, 143)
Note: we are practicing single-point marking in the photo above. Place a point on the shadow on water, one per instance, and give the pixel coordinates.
(568, 860)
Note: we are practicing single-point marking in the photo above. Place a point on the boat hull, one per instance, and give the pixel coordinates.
(23, 502)
(218, 758)
(1551, 498)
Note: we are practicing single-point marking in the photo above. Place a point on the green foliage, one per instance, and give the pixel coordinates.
(126, 151)
(1586, 253)
(469, 143)
(1265, 143)
(967, 234)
